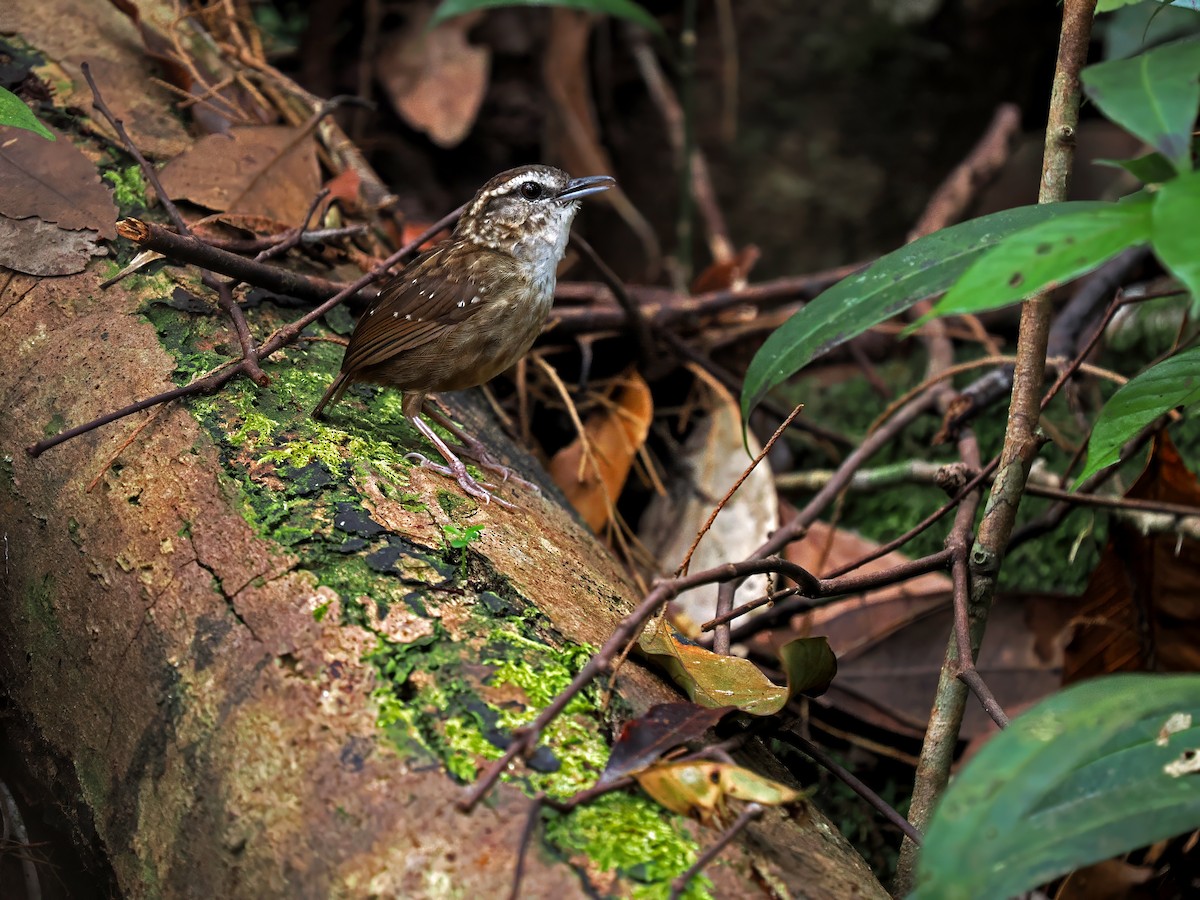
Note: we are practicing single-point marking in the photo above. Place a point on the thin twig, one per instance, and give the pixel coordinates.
(805, 517)
(808, 748)
(827, 589)
(147, 169)
(531, 822)
(10, 815)
(980, 166)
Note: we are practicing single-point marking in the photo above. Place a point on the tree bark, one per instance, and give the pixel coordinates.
(246, 639)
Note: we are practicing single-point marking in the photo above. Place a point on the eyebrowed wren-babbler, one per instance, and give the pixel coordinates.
(465, 311)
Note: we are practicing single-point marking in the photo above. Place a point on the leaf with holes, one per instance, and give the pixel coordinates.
(1094, 771)
(1173, 382)
(1045, 256)
(1154, 95)
(891, 285)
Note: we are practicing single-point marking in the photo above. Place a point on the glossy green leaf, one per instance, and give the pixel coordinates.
(623, 9)
(889, 286)
(1103, 6)
(1093, 771)
(1175, 232)
(1046, 255)
(1154, 95)
(15, 113)
(1173, 382)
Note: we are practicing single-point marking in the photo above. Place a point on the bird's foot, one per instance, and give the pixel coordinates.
(456, 469)
(475, 450)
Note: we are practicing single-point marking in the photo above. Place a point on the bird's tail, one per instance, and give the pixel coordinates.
(332, 395)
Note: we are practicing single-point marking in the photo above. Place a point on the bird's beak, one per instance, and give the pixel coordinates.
(581, 187)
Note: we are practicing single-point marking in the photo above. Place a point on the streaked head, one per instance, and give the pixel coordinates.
(528, 211)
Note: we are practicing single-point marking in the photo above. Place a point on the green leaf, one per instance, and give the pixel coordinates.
(1155, 96)
(1175, 232)
(889, 286)
(1045, 256)
(14, 112)
(1173, 382)
(1104, 6)
(623, 9)
(1153, 168)
(1091, 772)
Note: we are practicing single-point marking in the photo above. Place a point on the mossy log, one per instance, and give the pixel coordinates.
(253, 659)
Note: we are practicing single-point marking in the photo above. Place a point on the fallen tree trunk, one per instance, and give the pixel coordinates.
(262, 654)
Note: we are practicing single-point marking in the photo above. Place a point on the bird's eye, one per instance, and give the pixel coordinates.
(531, 190)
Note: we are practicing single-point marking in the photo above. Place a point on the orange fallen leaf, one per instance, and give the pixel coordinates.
(614, 435)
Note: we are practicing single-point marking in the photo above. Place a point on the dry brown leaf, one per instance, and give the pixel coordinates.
(435, 78)
(891, 641)
(888, 682)
(614, 435)
(1141, 608)
(344, 188)
(54, 181)
(267, 170)
(39, 248)
(67, 31)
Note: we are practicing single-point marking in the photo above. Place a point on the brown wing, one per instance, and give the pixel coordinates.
(426, 300)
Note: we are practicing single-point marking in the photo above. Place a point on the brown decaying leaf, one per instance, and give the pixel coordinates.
(435, 78)
(716, 680)
(663, 727)
(269, 171)
(1141, 608)
(39, 248)
(344, 189)
(614, 435)
(53, 181)
(701, 789)
(74, 31)
(890, 642)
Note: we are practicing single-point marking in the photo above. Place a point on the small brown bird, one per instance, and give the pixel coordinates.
(467, 310)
